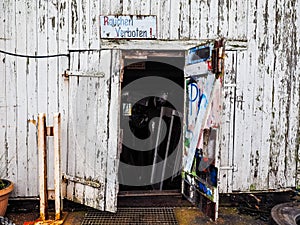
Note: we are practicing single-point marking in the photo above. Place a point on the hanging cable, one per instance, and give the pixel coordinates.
(34, 56)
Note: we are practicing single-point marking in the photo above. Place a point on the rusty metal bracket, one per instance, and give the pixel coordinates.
(218, 55)
(91, 183)
(70, 73)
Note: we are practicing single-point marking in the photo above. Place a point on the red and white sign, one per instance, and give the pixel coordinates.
(128, 27)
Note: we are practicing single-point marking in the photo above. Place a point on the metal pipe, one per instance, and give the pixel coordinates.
(167, 152)
(158, 137)
(42, 154)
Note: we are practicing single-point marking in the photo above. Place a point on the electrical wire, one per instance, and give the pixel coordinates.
(34, 56)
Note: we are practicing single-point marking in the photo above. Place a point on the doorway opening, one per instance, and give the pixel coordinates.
(152, 104)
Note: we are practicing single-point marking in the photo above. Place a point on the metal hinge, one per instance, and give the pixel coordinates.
(218, 55)
(69, 73)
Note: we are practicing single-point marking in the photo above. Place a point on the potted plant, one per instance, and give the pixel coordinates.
(6, 187)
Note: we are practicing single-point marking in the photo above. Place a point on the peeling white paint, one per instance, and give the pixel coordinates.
(262, 143)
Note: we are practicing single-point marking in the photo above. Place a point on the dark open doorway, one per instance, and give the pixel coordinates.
(151, 123)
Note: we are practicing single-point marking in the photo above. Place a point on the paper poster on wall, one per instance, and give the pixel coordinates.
(202, 119)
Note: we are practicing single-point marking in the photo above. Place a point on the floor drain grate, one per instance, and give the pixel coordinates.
(132, 216)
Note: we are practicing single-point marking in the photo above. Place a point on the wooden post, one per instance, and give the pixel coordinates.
(57, 162)
(42, 154)
(57, 168)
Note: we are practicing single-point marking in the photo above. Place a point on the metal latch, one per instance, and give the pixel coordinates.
(69, 73)
(92, 183)
(233, 168)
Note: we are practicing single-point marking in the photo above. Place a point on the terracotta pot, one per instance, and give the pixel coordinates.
(4, 194)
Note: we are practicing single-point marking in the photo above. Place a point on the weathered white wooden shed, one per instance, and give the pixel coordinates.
(40, 40)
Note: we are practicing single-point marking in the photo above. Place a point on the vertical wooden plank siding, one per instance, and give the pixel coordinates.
(102, 123)
(91, 120)
(126, 7)
(94, 42)
(105, 7)
(297, 83)
(135, 7)
(145, 7)
(3, 151)
(74, 63)
(42, 65)
(227, 122)
(292, 87)
(21, 64)
(278, 99)
(52, 87)
(265, 32)
(42, 35)
(79, 102)
(257, 98)
(232, 18)
(84, 25)
(63, 88)
(11, 93)
(243, 175)
(265, 148)
(174, 20)
(74, 24)
(165, 19)
(117, 7)
(212, 18)
(92, 195)
(184, 18)
(204, 18)
(242, 129)
(112, 186)
(241, 20)
(71, 155)
(195, 19)
(268, 69)
(32, 102)
(223, 19)
(242, 119)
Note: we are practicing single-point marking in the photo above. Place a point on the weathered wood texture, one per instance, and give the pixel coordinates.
(266, 138)
(93, 129)
(262, 138)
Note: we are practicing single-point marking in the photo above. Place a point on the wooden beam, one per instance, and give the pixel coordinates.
(42, 154)
(57, 165)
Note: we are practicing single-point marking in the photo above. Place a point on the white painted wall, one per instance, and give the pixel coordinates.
(263, 142)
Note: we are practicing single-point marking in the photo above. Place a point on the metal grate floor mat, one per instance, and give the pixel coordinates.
(132, 216)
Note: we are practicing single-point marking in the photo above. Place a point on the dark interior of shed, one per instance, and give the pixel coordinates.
(139, 111)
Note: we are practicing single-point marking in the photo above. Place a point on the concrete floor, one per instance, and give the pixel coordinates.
(25, 211)
(184, 215)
